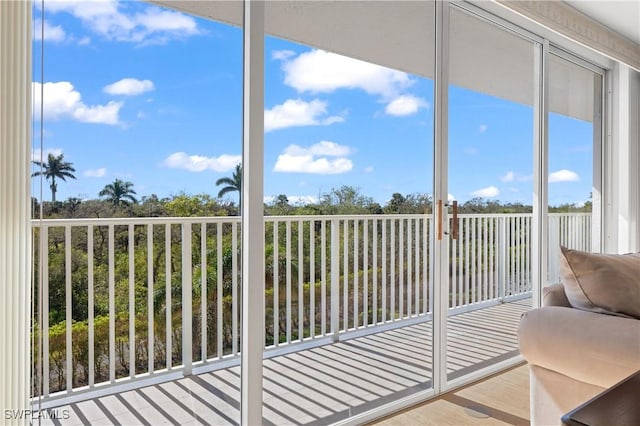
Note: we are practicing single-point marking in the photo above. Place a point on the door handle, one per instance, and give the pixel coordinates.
(454, 233)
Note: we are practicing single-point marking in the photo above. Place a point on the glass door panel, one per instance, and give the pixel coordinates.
(490, 170)
(575, 104)
(348, 132)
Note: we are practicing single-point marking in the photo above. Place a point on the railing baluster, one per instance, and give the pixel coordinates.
(187, 300)
(44, 315)
(312, 279)
(401, 269)
(356, 308)
(90, 306)
(323, 282)
(467, 272)
(203, 292)
(219, 291)
(345, 276)
(491, 259)
(167, 296)
(365, 267)
(150, 305)
(392, 277)
(234, 288)
(409, 284)
(276, 284)
(335, 277)
(374, 290)
(132, 308)
(68, 308)
(112, 306)
(473, 269)
(384, 270)
(416, 278)
(300, 282)
(455, 285)
(288, 296)
(425, 264)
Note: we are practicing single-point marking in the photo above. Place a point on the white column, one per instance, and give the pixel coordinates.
(252, 215)
(622, 206)
(15, 230)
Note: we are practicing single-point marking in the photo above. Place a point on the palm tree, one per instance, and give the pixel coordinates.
(55, 167)
(233, 183)
(119, 192)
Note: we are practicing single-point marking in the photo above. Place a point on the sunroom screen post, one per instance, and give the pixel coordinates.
(252, 216)
(15, 229)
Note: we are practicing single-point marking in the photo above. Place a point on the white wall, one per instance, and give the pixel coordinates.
(622, 163)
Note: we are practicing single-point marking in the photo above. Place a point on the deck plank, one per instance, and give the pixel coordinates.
(328, 383)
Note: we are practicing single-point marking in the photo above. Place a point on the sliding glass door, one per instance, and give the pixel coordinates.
(491, 116)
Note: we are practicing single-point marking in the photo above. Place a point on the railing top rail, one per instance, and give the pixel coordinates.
(133, 221)
(119, 221)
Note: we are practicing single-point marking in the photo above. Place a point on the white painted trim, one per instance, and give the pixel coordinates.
(387, 409)
(561, 18)
(440, 168)
(252, 215)
(15, 191)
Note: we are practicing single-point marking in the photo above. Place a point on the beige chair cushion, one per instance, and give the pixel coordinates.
(602, 283)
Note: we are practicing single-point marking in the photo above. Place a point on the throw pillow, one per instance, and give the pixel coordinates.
(603, 283)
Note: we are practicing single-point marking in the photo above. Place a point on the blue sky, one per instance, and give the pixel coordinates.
(153, 96)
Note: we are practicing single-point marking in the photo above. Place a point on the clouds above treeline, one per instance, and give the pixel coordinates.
(63, 101)
(316, 72)
(112, 20)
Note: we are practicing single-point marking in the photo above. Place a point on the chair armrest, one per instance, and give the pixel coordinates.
(554, 295)
(593, 348)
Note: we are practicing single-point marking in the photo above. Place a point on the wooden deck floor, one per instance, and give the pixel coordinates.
(315, 386)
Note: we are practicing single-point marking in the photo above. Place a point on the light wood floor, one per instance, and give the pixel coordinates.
(498, 400)
(331, 383)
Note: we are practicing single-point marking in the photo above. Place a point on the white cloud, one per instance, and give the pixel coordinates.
(296, 159)
(296, 112)
(563, 175)
(508, 177)
(368, 169)
(129, 87)
(450, 198)
(37, 154)
(96, 173)
(282, 55)
(116, 21)
(405, 105)
(327, 148)
(511, 176)
(61, 101)
(483, 128)
(53, 33)
(199, 163)
(318, 71)
(488, 192)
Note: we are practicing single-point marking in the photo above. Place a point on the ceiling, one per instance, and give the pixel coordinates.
(621, 16)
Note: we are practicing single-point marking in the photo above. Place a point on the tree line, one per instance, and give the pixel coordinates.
(118, 199)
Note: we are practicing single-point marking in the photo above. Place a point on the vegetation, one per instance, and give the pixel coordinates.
(119, 193)
(54, 168)
(232, 184)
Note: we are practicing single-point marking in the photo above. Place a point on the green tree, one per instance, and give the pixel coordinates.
(119, 193)
(55, 167)
(232, 184)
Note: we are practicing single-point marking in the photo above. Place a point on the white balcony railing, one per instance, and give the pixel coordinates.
(133, 298)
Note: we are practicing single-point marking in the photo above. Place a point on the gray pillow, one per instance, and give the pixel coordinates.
(603, 283)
